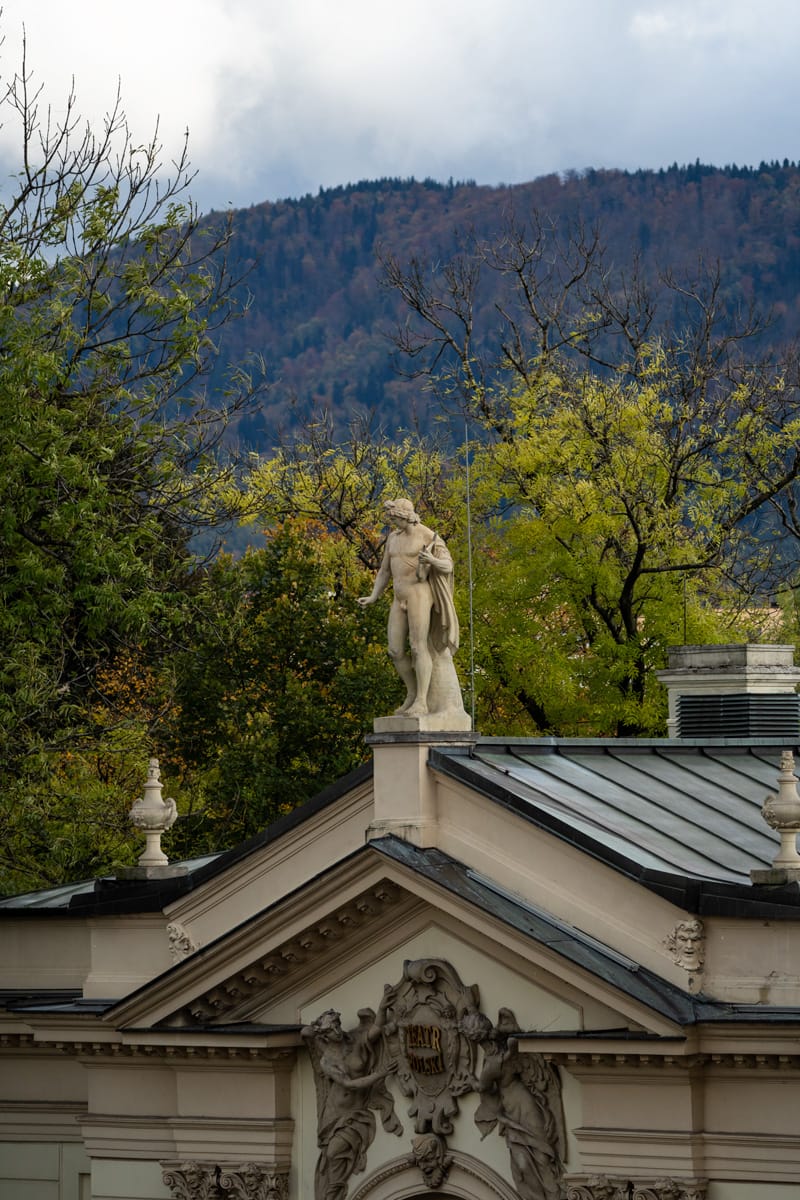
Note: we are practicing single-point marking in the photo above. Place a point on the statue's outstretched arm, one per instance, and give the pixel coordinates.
(381, 582)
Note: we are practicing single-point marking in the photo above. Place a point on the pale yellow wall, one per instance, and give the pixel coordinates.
(106, 956)
(126, 952)
(755, 962)
(36, 1075)
(132, 1090)
(43, 1171)
(43, 954)
(127, 1180)
(753, 1191)
(767, 1102)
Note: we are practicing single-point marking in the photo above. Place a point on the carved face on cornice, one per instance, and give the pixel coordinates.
(686, 944)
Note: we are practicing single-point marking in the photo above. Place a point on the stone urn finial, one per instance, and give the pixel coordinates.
(782, 812)
(153, 816)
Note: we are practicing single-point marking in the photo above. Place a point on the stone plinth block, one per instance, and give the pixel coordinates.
(444, 722)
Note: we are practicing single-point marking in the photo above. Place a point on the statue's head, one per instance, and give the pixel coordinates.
(403, 509)
(475, 1026)
(328, 1026)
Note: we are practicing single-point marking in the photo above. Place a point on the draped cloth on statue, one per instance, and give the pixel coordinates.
(444, 630)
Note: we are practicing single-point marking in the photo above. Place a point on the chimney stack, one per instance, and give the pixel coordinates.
(739, 691)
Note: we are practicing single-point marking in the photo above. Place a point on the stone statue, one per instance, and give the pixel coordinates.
(521, 1096)
(351, 1083)
(423, 625)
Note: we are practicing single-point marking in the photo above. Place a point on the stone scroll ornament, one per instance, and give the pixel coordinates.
(427, 1037)
(598, 1187)
(192, 1180)
(254, 1181)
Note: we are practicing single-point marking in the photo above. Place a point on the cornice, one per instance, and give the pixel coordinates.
(249, 864)
(340, 931)
(183, 1047)
(665, 1061)
(323, 911)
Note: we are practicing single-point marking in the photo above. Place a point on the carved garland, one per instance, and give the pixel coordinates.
(209, 1181)
(601, 1187)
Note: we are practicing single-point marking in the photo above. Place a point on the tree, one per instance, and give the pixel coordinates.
(111, 291)
(638, 463)
(276, 694)
(340, 482)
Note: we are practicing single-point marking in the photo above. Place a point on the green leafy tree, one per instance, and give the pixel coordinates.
(625, 536)
(340, 482)
(641, 468)
(111, 290)
(276, 694)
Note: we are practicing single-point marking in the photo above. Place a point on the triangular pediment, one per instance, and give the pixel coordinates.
(348, 932)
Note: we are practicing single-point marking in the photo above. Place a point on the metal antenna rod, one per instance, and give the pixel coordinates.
(469, 571)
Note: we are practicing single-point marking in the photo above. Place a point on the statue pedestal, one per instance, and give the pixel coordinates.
(152, 871)
(404, 786)
(454, 721)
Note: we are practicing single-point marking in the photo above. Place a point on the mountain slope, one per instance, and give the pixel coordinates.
(321, 318)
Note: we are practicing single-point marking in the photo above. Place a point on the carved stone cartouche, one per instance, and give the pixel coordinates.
(427, 1034)
(428, 1009)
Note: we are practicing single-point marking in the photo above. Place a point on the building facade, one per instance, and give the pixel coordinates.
(475, 968)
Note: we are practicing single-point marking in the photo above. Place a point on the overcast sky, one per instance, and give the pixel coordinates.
(281, 97)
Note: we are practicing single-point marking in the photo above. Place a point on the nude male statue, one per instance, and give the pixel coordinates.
(422, 620)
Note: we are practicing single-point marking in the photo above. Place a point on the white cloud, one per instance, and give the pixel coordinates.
(280, 97)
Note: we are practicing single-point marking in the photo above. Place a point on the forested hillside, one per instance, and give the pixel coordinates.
(321, 318)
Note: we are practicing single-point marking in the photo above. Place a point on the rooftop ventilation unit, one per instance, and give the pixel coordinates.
(739, 716)
(735, 691)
